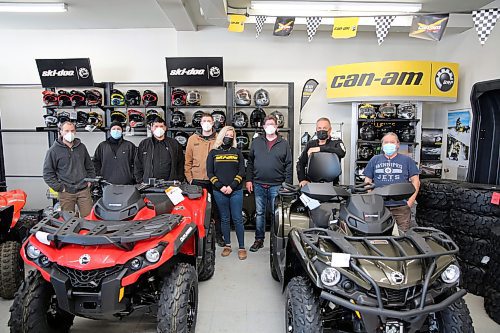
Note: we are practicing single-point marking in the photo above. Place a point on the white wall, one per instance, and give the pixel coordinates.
(138, 55)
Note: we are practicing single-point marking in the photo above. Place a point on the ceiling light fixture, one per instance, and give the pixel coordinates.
(33, 7)
(299, 6)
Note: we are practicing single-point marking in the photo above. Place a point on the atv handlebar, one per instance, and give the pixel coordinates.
(99, 180)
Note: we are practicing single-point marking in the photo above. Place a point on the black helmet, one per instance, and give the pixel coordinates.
(367, 111)
(407, 111)
(387, 110)
(135, 118)
(257, 117)
(182, 138)
(133, 97)
(385, 128)
(50, 120)
(77, 98)
(152, 115)
(243, 97)
(407, 134)
(196, 122)
(240, 119)
(365, 152)
(178, 97)
(149, 98)
(64, 98)
(119, 116)
(219, 119)
(117, 97)
(242, 140)
(95, 120)
(178, 119)
(50, 98)
(279, 116)
(93, 97)
(63, 117)
(261, 97)
(193, 97)
(367, 132)
(82, 118)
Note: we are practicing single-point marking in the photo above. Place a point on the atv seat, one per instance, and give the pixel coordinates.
(161, 202)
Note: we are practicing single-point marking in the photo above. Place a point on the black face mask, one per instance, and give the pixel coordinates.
(322, 135)
(227, 142)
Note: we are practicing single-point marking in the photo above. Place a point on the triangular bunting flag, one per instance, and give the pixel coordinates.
(236, 23)
(259, 23)
(312, 26)
(283, 26)
(382, 26)
(484, 22)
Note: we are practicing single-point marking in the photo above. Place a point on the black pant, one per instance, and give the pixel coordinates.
(206, 184)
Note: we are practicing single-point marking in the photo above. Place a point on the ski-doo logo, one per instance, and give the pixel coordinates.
(214, 71)
(367, 79)
(84, 259)
(445, 79)
(397, 277)
(83, 72)
(185, 71)
(58, 73)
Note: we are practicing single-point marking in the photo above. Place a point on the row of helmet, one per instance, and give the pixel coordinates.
(89, 120)
(180, 97)
(91, 97)
(387, 110)
(369, 132)
(133, 98)
(178, 119)
(242, 139)
(240, 118)
(243, 97)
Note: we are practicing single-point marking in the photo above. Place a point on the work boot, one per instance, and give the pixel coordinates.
(220, 240)
(227, 251)
(242, 254)
(258, 244)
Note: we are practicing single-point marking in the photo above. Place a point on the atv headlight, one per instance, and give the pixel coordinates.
(152, 255)
(330, 276)
(135, 264)
(32, 252)
(451, 274)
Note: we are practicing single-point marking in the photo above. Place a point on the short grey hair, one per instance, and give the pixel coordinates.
(388, 134)
(67, 122)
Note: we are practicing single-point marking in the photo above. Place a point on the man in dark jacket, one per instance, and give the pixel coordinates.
(114, 158)
(269, 165)
(159, 157)
(66, 165)
(324, 143)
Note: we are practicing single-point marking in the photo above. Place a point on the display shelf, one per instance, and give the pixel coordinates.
(389, 120)
(197, 107)
(184, 129)
(378, 142)
(261, 107)
(73, 107)
(133, 107)
(255, 129)
(80, 130)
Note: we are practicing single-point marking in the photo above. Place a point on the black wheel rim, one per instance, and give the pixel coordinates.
(289, 316)
(191, 310)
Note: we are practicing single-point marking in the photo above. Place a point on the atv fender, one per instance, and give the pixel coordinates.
(6, 214)
(181, 244)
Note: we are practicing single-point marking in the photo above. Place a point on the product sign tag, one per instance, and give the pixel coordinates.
(74, 72)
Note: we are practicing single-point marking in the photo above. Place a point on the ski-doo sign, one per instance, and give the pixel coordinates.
(65, 72)
(195, 71)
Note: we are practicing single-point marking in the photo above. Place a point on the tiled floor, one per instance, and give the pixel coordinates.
(242, 297)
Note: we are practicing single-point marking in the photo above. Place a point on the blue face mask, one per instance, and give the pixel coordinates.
(389, 148)
(116, 134)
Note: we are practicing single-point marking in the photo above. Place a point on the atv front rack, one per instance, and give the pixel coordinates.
(122, 234)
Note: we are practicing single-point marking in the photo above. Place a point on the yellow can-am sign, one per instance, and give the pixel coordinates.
(408, 80)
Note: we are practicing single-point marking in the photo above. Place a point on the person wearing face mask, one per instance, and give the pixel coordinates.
(390, 168)
(269, 165)
(323, 143)
(159, 157)
(226, 169)
(195, 165)
(67, 164)
(114, 158)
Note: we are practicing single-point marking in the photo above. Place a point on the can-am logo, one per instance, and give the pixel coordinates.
(59, 73)
(367, 79)
(185, 71)
(445, 79)
(84, 259)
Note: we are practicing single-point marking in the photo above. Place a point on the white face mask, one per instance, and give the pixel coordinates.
(159, 132)
(70, 136)
(270, 130)
(207, 127)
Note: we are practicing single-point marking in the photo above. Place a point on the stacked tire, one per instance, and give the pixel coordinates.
(492, 293)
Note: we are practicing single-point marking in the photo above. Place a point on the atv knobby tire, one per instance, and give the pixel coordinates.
(178, 304)
(472, 224)
(476, 198)
(472, 278)
(207, 267)
(35, 308)
(11, 269)
(472, 250)
(272, 267)
(435, 218)
(436, 193)
(302, 312)
(455, 318)
(492, 304)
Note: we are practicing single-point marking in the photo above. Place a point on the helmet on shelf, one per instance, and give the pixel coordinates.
(135, 118)
(279, 117)
(133, 97)
(94, 121)
(149, 98)
(367, 111)
(365, 152)
(117, 98)
(77, 98)
(242, 140)
(257, 117)
(261, 98)
(407, 134)
(178, 119)
(178, 97)
(82, 118)
(193, 97)
(64, 98)
(387, 111)
(63, 116)
(93, 97)
(50, 120)
(119, 117)
(181, 138)
(383, 129)
(367, 132)
(219, 119)
(407, 111)
(243, 97)
(152, 115)
(196, 122)
(50, 98)
(240, 119)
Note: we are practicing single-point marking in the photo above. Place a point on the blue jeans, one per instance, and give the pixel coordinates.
(231, 206)
(263, 197)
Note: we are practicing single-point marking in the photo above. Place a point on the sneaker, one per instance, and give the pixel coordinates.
(227, 251)
(242, 254)
(258, 244)
(220, 241)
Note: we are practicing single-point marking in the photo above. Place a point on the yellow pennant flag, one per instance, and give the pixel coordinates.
(345, 27)
(236, 23)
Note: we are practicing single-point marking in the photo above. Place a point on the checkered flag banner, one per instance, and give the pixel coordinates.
(382, 26)
(259, 23)
(312, 26)
(484, 21)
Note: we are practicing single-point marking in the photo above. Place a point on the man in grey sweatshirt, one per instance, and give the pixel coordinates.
(66, 165)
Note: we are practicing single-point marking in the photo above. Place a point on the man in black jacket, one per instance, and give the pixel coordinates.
(324, 143)
(159, 157)
(269, 165)
(67, 164)
(114, 158)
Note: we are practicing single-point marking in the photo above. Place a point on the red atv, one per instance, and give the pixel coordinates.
(135, 249)
(13, 230)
